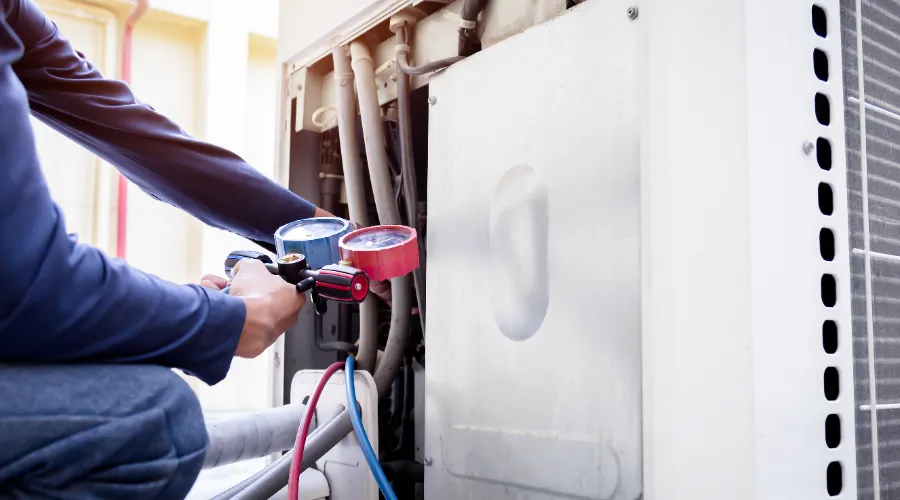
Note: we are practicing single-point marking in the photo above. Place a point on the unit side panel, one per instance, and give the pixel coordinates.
(534, 359)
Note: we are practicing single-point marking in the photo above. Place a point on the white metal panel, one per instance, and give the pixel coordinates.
(533, 374)
(789, 359)
(734, 398)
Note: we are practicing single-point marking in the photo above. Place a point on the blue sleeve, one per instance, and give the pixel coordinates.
(69, 94)
(64, 302)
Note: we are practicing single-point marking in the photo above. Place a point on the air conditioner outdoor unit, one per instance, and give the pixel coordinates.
(663, 242)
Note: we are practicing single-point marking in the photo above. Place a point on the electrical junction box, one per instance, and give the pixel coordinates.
(534, 357)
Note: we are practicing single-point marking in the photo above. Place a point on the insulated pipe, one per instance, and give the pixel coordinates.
(354, 181)
(379, 175)
(271, 479)
(122, 210)
(468, 22)
(373, 134)
(399, 332)
(252, 435)
(408, 166)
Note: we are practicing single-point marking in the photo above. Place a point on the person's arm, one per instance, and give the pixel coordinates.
(69, 94)
(64, 302)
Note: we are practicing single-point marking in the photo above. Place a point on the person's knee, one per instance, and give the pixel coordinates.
(179, 458)
(134, 431)
(171, 394)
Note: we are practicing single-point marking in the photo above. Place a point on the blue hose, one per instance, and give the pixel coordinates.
(360, 432)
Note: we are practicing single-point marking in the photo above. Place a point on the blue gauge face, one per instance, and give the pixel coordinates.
(377, 239)
(317, 239)
(312, 230)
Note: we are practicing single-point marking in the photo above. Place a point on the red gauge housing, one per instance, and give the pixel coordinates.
(382, 252)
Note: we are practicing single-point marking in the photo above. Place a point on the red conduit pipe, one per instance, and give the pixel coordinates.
(122, 214)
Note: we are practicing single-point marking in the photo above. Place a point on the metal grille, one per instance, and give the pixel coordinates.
(875, 209)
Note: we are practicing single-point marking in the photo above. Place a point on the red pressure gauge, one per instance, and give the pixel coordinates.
(382, 252)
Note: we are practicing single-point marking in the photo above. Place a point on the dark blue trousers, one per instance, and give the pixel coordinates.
(97, 432)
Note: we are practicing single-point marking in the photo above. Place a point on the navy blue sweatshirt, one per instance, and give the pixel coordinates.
(65, 302)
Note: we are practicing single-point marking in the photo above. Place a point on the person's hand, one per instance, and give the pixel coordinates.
(272, 304)
(383, 290)
(214, 282)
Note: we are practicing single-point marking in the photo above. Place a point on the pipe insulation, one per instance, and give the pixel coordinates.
(271, 480)
(380, 177)
(252, 435)
(268, 481)
(354, 180)
(355, 184)
(408, 168)
(373, 134)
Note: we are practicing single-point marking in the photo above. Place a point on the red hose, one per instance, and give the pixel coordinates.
(297, 458)
(122, 212)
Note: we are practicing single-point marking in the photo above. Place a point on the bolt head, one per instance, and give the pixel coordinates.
(808, 147)
(632, 13)
(428, 461)
(358, 286)
(432, 100)
(299, 86)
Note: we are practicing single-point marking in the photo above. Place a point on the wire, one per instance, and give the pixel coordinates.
(294, 478)
(429, 67)
(402, 51)
(360, 431)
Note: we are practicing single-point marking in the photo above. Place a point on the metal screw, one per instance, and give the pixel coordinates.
(428, 461)
(432, 100)
(632, 13)
(299, 86)
(808, 147)
(358, 286)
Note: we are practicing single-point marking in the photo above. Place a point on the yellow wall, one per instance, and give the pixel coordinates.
(213, 70)
(166, 73)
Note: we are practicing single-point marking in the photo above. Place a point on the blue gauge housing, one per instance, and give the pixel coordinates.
(316, 238)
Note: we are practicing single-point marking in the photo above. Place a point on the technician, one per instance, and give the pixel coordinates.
(88, 408)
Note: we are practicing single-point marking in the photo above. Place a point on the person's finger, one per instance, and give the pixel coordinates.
(209, 284)
(216, 281)
(250, 266)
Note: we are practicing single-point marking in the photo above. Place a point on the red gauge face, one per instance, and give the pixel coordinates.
(378, 238)
(383, 252)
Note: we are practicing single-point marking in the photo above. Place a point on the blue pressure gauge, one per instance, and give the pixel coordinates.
(316, 238)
